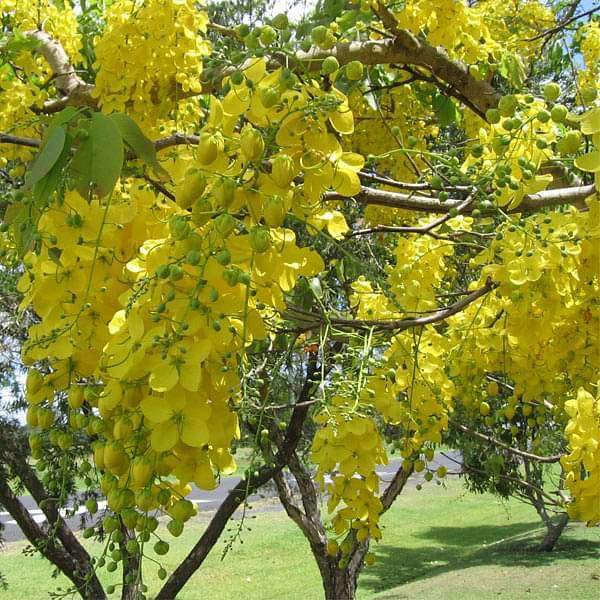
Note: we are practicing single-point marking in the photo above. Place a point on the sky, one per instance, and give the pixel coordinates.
(295, 12)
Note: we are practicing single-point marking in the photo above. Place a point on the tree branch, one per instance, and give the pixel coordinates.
(490, 440)
(14, 456)
(74, 90)
(564, 23)
(82, 578)
(315, 320)
(531, 202)
(423, 229)
(6, 138)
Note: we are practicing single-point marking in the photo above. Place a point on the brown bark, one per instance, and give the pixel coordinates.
(73, 559)
(338, 584)
(429, 204)
(80, 574)
(553, 532)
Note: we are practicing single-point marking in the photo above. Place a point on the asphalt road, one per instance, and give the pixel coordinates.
(207, 501)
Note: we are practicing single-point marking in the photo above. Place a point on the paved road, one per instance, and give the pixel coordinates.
(205, 500)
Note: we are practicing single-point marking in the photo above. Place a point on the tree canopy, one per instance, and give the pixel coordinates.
(371, 226)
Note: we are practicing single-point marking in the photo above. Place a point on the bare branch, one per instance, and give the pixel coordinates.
(176, 139)
(6, 138)
(404, 185)
(315, 320)
(86, 582)
(424, 229)
(490, 440)
(532, 202)
(74, 90)
(222, 30)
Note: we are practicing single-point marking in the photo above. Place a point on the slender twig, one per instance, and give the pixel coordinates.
(562, 24)
(423, 229)
(6, 138)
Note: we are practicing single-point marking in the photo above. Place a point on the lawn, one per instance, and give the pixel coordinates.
(438, 543)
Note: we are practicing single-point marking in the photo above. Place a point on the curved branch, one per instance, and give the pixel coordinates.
(43, 543)
(74, 90)
(423, 229)
(315, 320)
(567, 21)
(404, 48)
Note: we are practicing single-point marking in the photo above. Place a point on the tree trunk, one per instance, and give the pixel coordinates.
(338, 584)
(553, 532)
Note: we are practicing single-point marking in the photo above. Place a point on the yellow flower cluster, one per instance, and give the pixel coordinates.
(410, 389)
(451, 24)
(539, 327)
(149, 58)
(347, 450)
(419, 269)
(146, 306)
(590, 49)
(513, 22)
(583, 434)
(22, 90)
(406, 126)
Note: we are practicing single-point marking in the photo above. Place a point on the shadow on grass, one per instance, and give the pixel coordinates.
(455, 548)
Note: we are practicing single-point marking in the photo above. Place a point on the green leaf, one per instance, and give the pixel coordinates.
(512, 69)
(64, 116)
(48, 155)
(348, 19)
(99, 159)
(44, 188)
(137, 141)
(24, 222)
(16, 43)
(444, 109)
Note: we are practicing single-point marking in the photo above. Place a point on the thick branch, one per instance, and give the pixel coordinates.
(532, 202)
(74, 90)
(395, 487)
(45, 545)
(405, 49)
(16, 459)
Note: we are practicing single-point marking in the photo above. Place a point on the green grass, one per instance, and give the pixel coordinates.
(438, 543)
